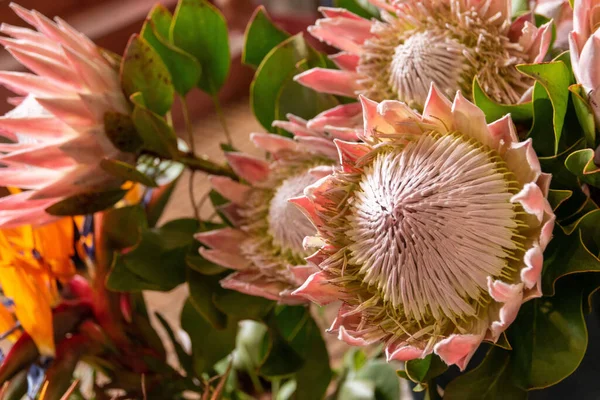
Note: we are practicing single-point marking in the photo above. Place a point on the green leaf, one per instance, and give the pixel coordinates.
(581, 164)
(158, 259)
(242, 306)
(209, 345)
(86, 203)
(422, 370)
(125, 171)
(359, 7)
(357, 389)
(384, 378)
(572, 250)
(270, 95)
(585, 114)
(158, 137)
(185, 360)
(549, 339)
(491, 380)
(121, 132)
(202, 290)
(261, 36)
(554, 78)
(200, 29)
(122, 227)
(142, 70)
(184, 69)
(494, 110)
(519, 7)
(558, 197)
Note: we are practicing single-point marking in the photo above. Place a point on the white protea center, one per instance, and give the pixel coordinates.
(431, 222)
(287, 225)
(445, 43)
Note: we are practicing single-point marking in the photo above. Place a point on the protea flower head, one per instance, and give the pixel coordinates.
(584, 43)
(265, 246)
(56, 131)
(431, 232)
(446, 42)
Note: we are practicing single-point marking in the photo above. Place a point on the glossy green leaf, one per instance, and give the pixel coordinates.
(209, 345)
(261, 36)
(122, 227)
(362, 8)
(184, 69)
(86, 203)
(158, 259)
(491, 380)
(494, 110)
(127, 172)
(554, 78)
(157, 136)
(422, 370)
(121, 132)
(549, 339)
(573, 250)
(585, 114)
(277, 69)
(383, 376)
(293, 98)
(143, 70)
(202, 290)
(200, 29)
(242, 306)
(581, 164)
(558, 197)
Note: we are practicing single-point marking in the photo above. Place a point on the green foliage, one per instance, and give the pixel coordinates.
(261, 36)
(185, 360)
(209, 345)
(422, 371)
(143, 70)
(157, 262)
(359, 7)
(581, 164)
(86, 203)
(184, 69)
(203, 289)
(158, 137)
(126, 172)
(494, 110)
(121, 132)
(584, 114)
(199, 29)
(491, 380)
(273, 92)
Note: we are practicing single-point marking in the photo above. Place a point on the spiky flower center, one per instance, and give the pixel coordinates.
(441, 42)
(276, 228)
(287, 225)
(430, 223)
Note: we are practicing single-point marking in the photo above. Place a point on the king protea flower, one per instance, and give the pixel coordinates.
(56, 131)
(584, 43)
(265, 246)
(446, 42)
(431, 232)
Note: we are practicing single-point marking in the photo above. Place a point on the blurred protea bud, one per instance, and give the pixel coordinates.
(584, 43)
(56, 131)
(431, 232)
(562, 14)
(265, 246)
(446, 42)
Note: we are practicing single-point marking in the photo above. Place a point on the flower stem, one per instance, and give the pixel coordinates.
(202, 163)
(222, 119)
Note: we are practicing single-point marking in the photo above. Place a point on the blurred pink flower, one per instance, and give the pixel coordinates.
(447, 42)
(431, 232)
(55, 134)
(584, 43)
(265, 246)
(562, 14)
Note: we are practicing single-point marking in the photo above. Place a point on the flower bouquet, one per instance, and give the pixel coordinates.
(427, 193)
